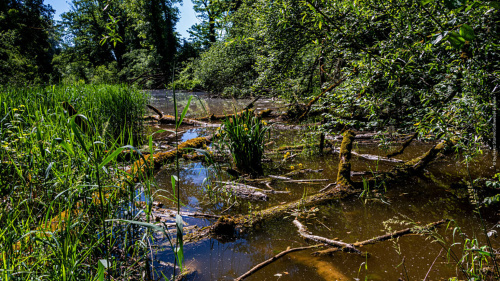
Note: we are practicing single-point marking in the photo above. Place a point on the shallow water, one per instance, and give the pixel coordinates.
(424, 199)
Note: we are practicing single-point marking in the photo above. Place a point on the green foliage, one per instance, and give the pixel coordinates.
(244, 134)
(26, 49)
(223, 67)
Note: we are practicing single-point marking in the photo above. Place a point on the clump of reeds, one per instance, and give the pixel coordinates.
(244, 134)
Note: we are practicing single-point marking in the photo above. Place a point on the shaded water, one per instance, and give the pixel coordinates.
(424, 199)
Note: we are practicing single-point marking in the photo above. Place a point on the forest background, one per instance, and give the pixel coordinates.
(426, 66)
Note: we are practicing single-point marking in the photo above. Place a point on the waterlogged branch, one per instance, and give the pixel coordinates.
(271, 260)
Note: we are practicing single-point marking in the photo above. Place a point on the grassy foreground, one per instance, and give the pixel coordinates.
(54, 170)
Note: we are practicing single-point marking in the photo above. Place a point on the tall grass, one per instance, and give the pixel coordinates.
(60, 182)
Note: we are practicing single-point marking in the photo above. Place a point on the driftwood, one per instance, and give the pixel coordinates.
(172, 213)
(302, 172)
(271, 260)
(389, 236)
(376, 157)
(338, 244)
(306, 181)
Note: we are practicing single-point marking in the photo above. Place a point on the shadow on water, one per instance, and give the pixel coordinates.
(428, 197)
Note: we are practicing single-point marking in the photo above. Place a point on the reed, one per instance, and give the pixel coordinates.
(60, 183)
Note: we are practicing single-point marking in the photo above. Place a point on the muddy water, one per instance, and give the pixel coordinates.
(421, 199)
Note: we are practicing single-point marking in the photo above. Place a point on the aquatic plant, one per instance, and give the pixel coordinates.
(244, 134)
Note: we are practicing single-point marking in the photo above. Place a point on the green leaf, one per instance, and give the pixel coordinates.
(180, 243)
(76, 131)
(481, 252)
(456, 40)
(184, 111)
(110, 157)
(467, 32)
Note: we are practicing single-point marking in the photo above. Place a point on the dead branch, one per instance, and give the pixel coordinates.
(271, 260)
(390, 236)
(403, 146)
(302, 172)
(315, 99)
(172, 213)
(344, 246)
(156, 110)
(307, 181)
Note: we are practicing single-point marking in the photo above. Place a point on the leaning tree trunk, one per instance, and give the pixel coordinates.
(344, 188)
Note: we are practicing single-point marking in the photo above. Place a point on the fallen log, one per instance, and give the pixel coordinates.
(169, 119)
(139, 167)
(340, 191)
(271, 260)
(338, 244)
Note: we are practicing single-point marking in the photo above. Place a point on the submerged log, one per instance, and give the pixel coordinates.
(245, 191)
(302, 172)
